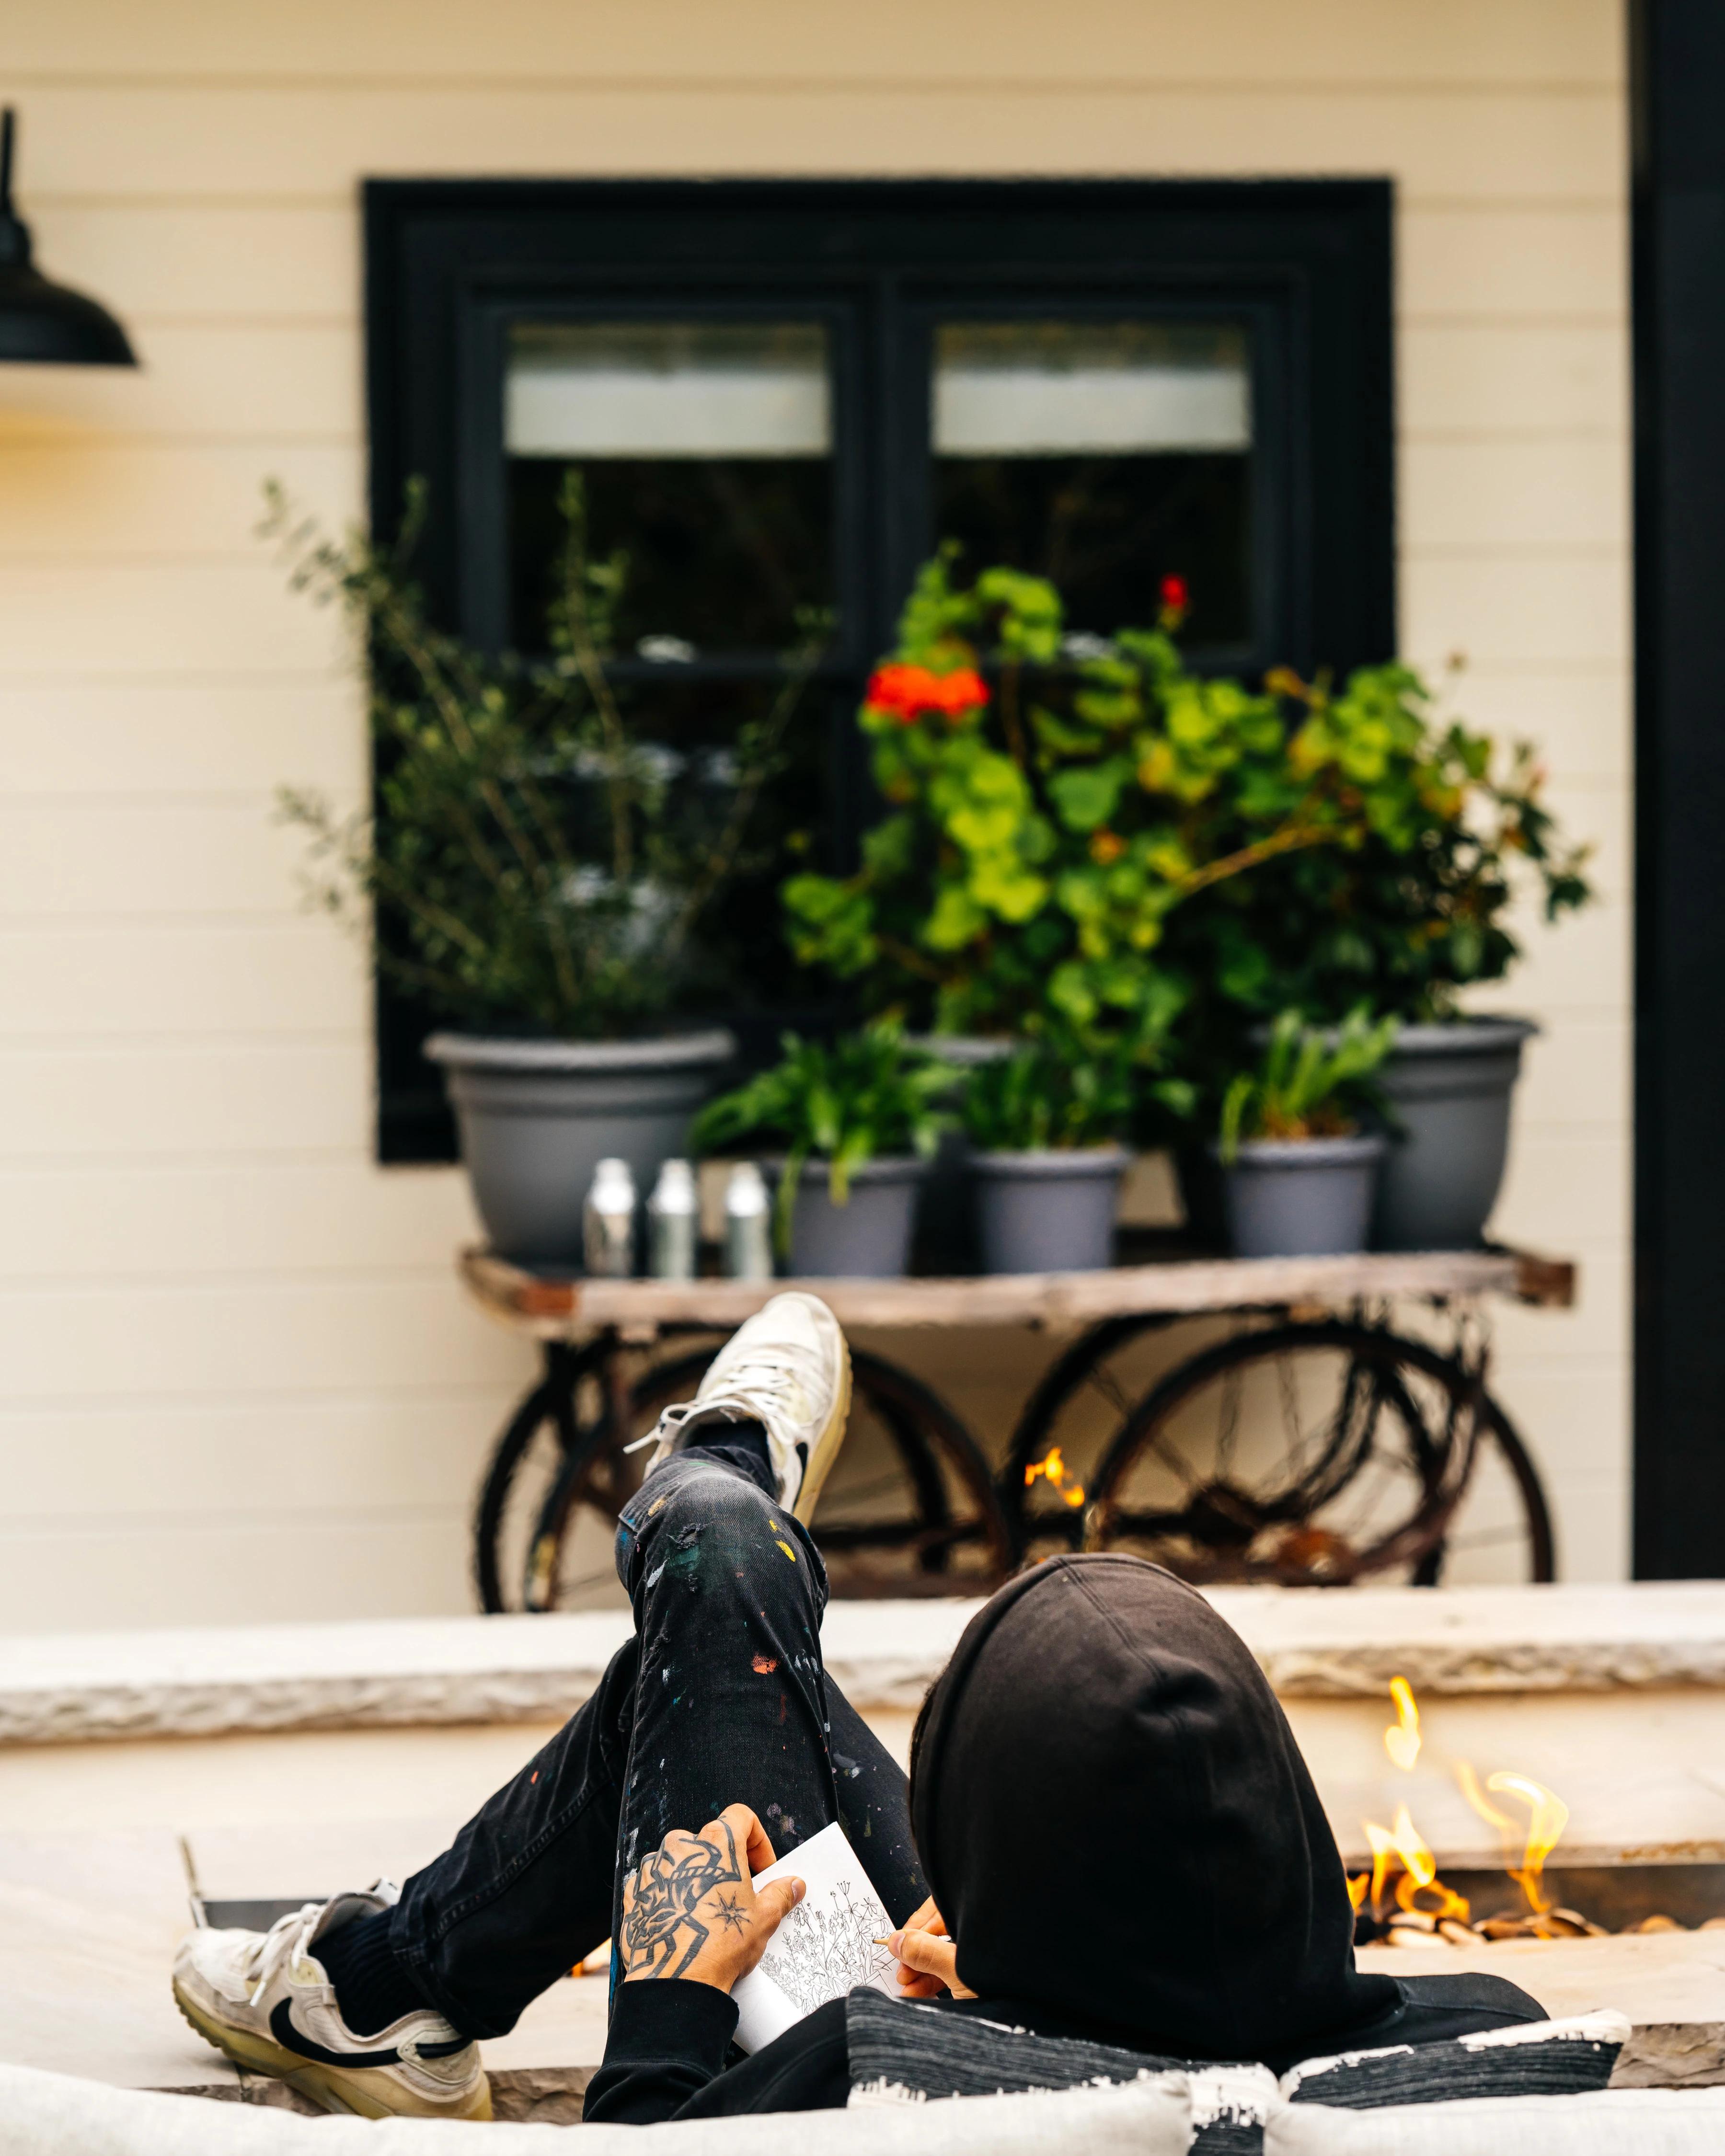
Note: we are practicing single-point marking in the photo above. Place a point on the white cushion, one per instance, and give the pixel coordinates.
(1610, 2123)
(54, 2115)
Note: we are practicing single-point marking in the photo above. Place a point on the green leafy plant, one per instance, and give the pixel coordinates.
(1311, 1083)
(1049, 808)
(1083, 837)
(1411, 902)
(1047, 1094)
(1019, 878)
(532, 859)
(845, 1101)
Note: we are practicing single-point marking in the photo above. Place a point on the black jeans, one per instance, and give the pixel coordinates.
(721, 1698)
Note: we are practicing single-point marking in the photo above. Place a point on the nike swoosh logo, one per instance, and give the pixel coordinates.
(292, 2038)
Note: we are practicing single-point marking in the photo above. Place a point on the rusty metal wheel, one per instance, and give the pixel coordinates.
(524, 1466)
(1318, 1455)
(1079, 1403)
(909, 1508)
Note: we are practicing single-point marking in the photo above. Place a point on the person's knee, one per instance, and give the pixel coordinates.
(705, 1518)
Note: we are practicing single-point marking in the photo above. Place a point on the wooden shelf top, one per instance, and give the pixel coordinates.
(554, 1307)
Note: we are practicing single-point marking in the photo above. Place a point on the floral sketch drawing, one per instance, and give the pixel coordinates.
(820, 1953)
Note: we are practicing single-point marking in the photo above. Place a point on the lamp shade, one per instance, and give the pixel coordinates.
(42, 323)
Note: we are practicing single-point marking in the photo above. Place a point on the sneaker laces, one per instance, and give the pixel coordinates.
(282, 1940)
(769, 1383)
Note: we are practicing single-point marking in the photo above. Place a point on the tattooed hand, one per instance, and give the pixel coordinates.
(691, 1909)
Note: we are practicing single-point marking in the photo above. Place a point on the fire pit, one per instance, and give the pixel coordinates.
(1404, 1900)
(1586, 1901)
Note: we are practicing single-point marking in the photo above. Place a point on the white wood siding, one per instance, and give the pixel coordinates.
(235, 1377)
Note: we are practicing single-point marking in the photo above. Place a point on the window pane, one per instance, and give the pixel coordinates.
(707, 450)
(742, 955)
(1104, 455)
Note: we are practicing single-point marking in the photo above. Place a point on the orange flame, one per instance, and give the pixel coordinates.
(1403, 1847)
(1054, 1468)
(1410, 1845)
(1547, 1815)
(1420, 1876)
(1383, 1858)
(1402, 1743)
(1469, 1784)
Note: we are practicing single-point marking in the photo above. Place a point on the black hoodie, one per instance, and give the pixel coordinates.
(1118, 1827)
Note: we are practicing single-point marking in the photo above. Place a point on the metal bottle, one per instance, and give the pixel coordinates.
(673, 1222)
(748, 1231)
(607, 1222)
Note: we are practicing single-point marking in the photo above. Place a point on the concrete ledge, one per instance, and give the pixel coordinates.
(1331, 1644)
(74, 1687)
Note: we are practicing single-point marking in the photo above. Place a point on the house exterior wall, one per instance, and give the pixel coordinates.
(236, 1377)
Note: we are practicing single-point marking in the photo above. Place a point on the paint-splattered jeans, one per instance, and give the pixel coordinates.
(720, 1698)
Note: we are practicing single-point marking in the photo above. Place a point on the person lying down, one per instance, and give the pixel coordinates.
(1108, 1833)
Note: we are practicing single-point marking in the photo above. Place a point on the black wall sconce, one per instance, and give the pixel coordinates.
(45, 324)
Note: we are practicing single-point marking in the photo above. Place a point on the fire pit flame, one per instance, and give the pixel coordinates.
(1403, 1845)
(1426, 1911)
(1053, 1466)
(1547, 1815)
(1402, 1741)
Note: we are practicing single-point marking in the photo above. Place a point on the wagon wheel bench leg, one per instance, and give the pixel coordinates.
(1382, 1438)
(549, 1403)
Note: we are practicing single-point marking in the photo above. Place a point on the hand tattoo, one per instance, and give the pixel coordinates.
(661, 1933)
(731, 1915)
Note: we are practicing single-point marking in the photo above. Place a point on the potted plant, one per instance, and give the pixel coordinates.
(1046, 1161)
(1090, 835)
(1407, 909)
(1034, 844)
(538, 871)
(852, 1124)
(1298, 1173)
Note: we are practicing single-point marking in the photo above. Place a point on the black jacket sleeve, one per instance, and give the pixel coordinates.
(664, 2058)
(1428, 2009)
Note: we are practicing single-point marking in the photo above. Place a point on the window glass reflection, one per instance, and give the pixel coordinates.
(1105, 455)
(706, 452)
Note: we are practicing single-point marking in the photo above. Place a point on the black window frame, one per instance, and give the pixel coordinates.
(448, 264)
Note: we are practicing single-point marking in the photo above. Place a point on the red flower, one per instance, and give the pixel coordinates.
(1176, 595)
(905, 692)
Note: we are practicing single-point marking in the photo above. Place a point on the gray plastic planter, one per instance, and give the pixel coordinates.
(946, 1237)
(1048, 1212)
(1301, 1197)
(536, 1117)
(866, 1238)
(1448, 1088)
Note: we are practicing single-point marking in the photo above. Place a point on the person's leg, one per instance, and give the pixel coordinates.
(874, 1803)
(721, 1698)
(523, 1892)
(732, 1704)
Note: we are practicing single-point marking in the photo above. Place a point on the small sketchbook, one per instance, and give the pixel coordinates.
(824, 1949)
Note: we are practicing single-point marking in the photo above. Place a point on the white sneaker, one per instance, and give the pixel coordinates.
(788, 1369)
(263, 1999)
